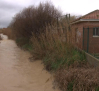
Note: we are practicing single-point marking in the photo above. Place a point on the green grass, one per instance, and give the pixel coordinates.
(97, 89)
(28, 47)
(24, 44)
(70, 86)
(57, 61)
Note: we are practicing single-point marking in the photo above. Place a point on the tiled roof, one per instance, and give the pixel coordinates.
(84, 16)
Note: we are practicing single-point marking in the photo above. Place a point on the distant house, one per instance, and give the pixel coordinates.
(85, 32)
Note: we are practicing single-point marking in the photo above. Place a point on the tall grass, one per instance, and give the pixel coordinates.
(53, 49)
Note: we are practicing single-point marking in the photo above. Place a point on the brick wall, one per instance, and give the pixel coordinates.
(77, 34)
(93, 41)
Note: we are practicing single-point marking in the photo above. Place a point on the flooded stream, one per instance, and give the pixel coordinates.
(17, 73)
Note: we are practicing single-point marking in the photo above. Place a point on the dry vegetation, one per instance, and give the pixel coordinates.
(8, 32)
(33, 20)
(53, 49)
(36, 29)
(83, 78)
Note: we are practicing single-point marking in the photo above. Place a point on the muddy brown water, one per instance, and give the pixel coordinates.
(17, 73)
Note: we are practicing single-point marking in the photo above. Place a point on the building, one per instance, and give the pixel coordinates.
(85, 32)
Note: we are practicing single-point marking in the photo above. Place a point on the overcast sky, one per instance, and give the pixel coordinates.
(8, 8)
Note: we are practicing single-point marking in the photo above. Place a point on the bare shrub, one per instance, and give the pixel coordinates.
(34, 20)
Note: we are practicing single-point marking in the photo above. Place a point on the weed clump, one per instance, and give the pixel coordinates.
(83, 78)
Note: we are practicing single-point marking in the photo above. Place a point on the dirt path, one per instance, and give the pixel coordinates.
(17, 73)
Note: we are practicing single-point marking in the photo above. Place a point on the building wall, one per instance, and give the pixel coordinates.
(93, 41)
(77, 34)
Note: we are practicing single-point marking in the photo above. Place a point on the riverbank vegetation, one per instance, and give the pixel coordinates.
(36, 29)
(8, 32)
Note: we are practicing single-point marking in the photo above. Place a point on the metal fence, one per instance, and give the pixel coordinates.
(91, 40)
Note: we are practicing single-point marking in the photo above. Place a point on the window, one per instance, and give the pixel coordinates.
(95, 31)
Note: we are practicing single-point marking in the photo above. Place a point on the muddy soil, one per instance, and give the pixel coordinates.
(18, 73)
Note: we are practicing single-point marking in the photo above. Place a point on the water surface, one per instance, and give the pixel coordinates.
(17, 73)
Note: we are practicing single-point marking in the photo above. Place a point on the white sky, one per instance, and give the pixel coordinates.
(8, 8)
(67, 6)
(79, 7)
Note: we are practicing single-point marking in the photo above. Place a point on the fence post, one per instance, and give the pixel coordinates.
(88, 40)
(57, 25)
(57, 22)
(83, 38)
(66, 17)
(69, 17)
